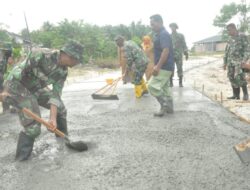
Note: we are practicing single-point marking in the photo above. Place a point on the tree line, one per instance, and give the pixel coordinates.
(98, 40)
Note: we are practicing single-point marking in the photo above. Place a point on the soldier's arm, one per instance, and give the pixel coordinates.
(128, 50)
(53, 116)
(225, 61)
(185, 48)
(246, 50)
(55, 102)
(55, 99)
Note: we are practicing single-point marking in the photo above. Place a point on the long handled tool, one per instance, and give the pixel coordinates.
(243, 149)
(78, 145)
(104, 92)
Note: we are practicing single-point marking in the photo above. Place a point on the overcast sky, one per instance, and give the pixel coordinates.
(194, 17)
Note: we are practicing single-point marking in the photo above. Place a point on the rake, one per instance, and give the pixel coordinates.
(108, 91)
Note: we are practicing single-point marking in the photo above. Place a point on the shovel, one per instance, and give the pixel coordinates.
(243, 151)
(78, 145)
(243, 148)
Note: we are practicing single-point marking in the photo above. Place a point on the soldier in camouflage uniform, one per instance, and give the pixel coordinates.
(5, 58)
(28, 83)
(180, 48)
(235, 54)
(137, 62)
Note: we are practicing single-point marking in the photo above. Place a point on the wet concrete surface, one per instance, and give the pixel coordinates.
(129, 148)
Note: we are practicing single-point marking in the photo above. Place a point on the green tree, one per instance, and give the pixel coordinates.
(227, 12)
(4, 36)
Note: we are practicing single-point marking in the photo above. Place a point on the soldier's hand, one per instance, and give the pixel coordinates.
(53, 126)
(4, 95)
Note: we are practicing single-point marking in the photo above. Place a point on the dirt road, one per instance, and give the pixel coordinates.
(129, 148)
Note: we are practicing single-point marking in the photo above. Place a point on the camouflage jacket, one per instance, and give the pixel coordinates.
(179, 44)
(135, 56)
(40, 70)
(3, 64)
(236, 50)
(8, 70)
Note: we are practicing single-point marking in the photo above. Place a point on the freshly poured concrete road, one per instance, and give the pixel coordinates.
(129, 148)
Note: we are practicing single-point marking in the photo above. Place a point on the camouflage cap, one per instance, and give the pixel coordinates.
(7, 46)
(74, 49)
(118, 37)
(173, 25)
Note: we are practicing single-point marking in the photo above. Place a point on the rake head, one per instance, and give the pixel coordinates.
(104, 97)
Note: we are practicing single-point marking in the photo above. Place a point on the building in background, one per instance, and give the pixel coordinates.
(211, 44)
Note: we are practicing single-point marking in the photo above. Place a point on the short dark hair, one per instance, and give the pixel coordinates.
(231, 25)
(157, 18)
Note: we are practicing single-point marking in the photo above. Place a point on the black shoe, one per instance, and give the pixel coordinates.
(24, 147)
(236, 94)
(62, 125)
(170, 106)
(245, 92)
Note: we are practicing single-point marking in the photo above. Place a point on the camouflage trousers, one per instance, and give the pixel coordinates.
(179, 65)
(236, 76)
(138, 72)
(1, 82)
(31, 101)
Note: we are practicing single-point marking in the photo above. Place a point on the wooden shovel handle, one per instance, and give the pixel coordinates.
(40, 120)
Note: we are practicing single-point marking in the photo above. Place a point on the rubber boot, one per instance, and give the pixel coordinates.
(163, 109)
(144, 87)
(180, 82)
(170, 106)
(13, 110)
(138, 91)
(171, 81)
(237, 93)
(245, 93)
(6, 107)
(234, 94)
(24, 147)
(62, 125)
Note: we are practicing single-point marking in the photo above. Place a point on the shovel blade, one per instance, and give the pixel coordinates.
(243, 151)
(78, 146)
(104, 97)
